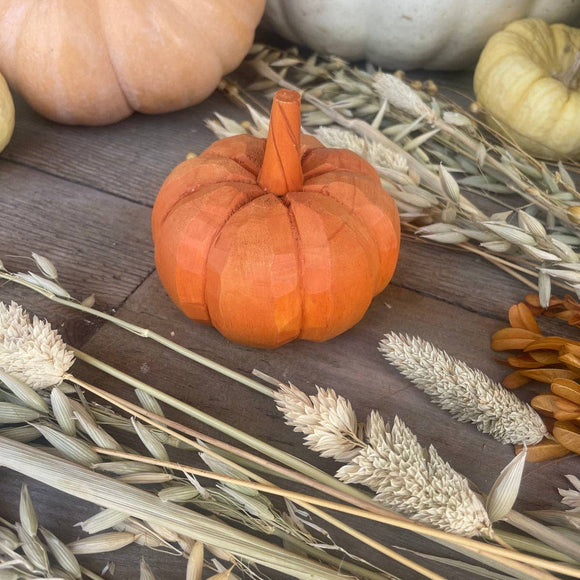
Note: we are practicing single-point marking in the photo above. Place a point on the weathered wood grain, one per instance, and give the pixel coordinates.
(100, 244)
(129, 159)
(458, 277)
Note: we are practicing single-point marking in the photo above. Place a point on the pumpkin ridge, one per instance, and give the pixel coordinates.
(361, 225)
(179, 271)
(363, 280)
(213, 242)
(245, 167)
(113, 65)
(197, 188)
(299, 259)
(289, 328)
(383, 278)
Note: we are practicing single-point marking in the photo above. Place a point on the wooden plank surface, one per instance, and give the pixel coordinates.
(82, 197)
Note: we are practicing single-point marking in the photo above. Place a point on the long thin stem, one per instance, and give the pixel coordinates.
(260, 485)
(308, 502)
(107, 492)
(287, 459)
(335, 561)
(304, 498)
(548, 536)
(386, 517)
(143, 333)
(343, 492)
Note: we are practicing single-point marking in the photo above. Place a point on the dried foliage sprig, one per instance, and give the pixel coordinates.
(387, 459)
(30, 551)
(78, 449)
(468, 394)
(549, 359)
(107, 492)
(539, 234)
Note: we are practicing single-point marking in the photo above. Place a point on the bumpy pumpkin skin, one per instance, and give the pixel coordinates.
(94, 62)
(266, 269)
(515, 82)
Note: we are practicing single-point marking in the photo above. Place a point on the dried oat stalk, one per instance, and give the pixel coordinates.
(536, 238)
(71, 426)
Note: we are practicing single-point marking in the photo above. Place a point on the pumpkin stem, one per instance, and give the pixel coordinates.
(569, 76)
(282, 169)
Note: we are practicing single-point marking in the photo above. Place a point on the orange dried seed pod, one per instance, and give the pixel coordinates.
(512, 338)
(567, 434)
(549, 375)
(523, 361)
(543, 451)
(520, 316)
(509, 332)
(546, 357)
(548, 343)
(515, 380)
(546, 404)
(570, 360)
(570, 348)
(566, 388)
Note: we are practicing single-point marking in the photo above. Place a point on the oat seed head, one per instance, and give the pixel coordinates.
(468, 394)
(31, 350)
(375, 153)
(399, 95)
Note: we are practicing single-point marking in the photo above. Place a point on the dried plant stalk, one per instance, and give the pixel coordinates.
(89, 486)
(468, 394)
(415, 123)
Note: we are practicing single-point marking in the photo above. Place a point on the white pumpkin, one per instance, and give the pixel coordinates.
(407, 34)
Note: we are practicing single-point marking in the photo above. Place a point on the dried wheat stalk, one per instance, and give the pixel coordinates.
(432, 141)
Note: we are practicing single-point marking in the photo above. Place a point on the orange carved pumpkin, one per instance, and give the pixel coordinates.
(277, 239)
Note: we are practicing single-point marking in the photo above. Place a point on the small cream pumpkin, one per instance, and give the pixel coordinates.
(6, 114)
(528, 82)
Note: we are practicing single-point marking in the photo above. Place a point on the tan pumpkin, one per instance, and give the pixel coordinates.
(94, 62)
